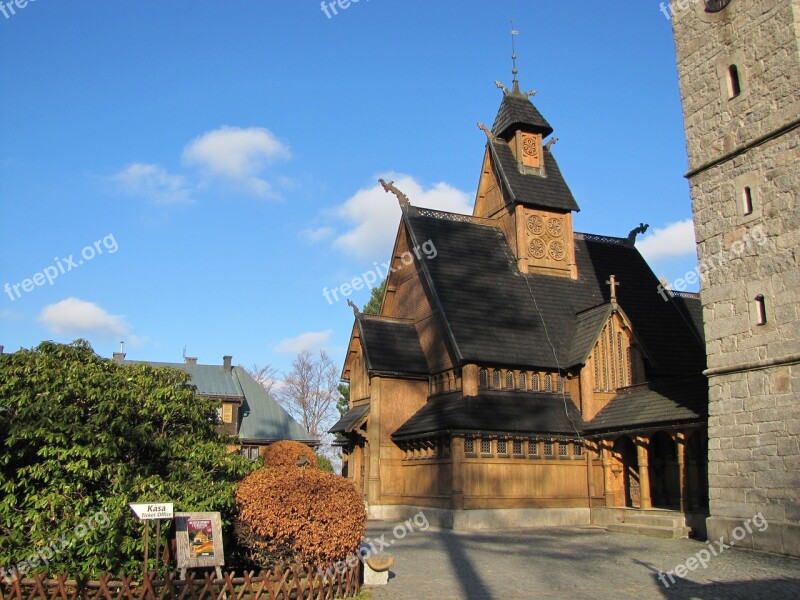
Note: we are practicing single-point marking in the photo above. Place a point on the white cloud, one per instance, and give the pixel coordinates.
(153, 183)
(237, 155)
(313, 340)
(77, 316)
(376, 214)
(674, 240)
(319, 234)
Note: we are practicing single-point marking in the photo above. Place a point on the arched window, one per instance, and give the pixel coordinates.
(483, 378)
(509, 380)
(597, 385)
(523, 382)
(620, 361)
(496, 379)
(747, 201)
(734, 84)
(559, 383)
(535, 382)
(548, 383)
(761, 310)
(630, 367)
(610, 358)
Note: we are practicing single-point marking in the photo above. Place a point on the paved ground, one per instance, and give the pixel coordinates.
(580, 563)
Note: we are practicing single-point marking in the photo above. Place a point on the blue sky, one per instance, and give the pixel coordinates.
(220, 160)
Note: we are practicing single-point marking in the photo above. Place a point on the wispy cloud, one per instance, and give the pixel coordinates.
(153, 183)
(674, 240)
(314, 236)
(74, 316)
(374, 215)
(312, 340)
(238, 156)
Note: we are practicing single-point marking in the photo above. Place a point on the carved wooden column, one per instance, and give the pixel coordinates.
(680, 449)
(644, 474)
(456, 477)
(609, 491)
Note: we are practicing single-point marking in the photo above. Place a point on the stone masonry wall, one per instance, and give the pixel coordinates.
(754, 370)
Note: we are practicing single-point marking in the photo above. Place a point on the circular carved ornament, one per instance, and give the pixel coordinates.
(556, 250)
(713, 6)
(536, 248)
(554, 227)
(535, 225)
(529, 147)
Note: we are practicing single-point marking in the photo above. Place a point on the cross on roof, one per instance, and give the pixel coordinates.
(613, 284)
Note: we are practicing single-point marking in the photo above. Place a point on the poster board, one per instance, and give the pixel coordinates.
(199, 540)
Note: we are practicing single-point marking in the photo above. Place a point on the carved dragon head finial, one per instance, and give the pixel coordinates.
(485, 130)
(352, 305)
(401, 197)
(642, 228)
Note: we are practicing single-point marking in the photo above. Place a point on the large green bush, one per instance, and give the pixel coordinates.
(302, 515)
(81, 437)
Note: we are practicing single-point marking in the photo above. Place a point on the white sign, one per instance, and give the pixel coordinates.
(153, 511)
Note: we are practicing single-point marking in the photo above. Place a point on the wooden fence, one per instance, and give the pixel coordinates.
(288, 583)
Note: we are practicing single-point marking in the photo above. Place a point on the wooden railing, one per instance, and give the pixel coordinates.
(274, 584)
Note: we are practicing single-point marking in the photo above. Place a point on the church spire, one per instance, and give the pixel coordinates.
(514, 70)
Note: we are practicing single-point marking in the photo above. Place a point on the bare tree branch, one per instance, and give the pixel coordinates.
(311, 391)
(266, 376)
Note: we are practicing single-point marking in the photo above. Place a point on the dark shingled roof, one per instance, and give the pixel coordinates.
(588, 325)
(349, 419)
(670, 401)
(391, 346)
(490, 308)
(550, 191)
(518, 112)
(495, 412)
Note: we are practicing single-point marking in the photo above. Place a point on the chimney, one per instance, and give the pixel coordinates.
(120, 356)
(227, 363)
(191, 360)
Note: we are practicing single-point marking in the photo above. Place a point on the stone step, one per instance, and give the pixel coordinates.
(658, 520)
(650, 530)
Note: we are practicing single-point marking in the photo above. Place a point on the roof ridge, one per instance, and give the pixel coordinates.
(603, 239)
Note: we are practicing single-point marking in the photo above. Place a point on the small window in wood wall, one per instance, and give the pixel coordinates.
(535, 382)
(548, 448)
(548, 382)
(523, 382)
(517, 447)
(533, 447)
(486, 445)
(509, 380)
(502, 445)
(469, 445)
(483, 378)
(496, 379)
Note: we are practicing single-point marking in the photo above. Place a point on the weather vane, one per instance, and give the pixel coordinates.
(514, 33)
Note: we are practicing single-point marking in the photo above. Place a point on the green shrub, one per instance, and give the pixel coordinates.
(324, 463)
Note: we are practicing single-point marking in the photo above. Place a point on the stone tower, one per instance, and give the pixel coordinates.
(739, 69)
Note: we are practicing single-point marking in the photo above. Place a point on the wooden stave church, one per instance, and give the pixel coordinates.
(526, 375)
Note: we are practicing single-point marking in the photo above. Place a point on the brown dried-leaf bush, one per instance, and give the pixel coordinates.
(298, 515)
(286, 454)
